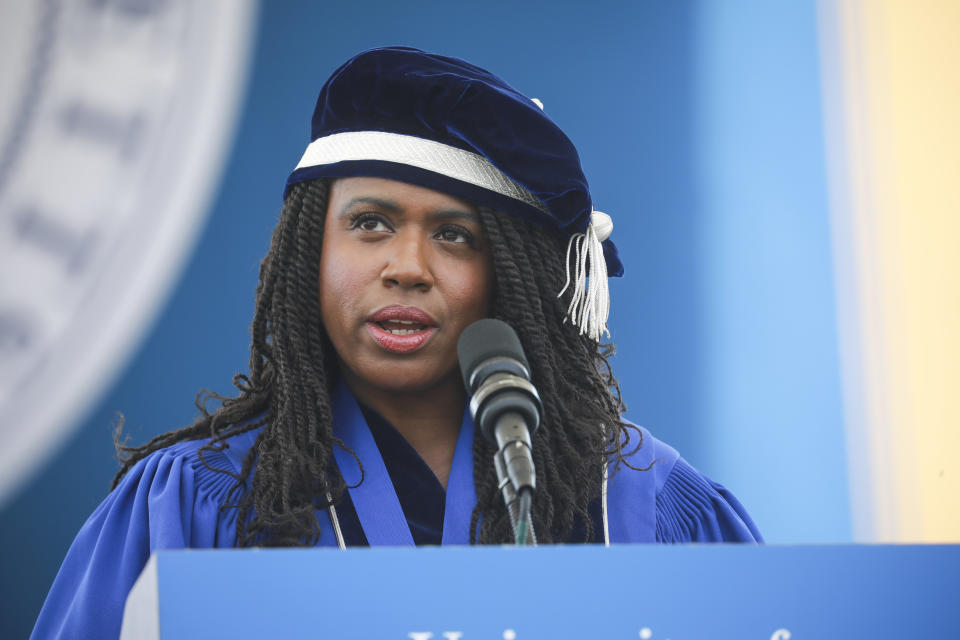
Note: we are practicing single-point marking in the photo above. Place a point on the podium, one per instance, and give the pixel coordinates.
(650, 592)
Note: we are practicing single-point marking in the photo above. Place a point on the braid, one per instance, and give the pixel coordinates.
(294, 452)
(289, 472)
(581, 410)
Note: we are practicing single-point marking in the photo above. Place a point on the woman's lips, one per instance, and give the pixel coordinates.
(400, 343)
(401, 329)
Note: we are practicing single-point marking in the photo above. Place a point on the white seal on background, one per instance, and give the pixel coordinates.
(115, 120)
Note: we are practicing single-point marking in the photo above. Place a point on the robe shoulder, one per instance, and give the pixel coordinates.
(660, 497)
(168, 500)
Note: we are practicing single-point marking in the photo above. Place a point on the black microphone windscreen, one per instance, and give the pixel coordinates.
(485, 339)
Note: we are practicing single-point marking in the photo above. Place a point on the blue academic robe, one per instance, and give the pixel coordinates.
(170, 500)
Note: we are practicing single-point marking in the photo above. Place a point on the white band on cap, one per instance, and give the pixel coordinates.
(430, 155)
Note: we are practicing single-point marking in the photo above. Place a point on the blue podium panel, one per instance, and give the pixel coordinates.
(653, 592)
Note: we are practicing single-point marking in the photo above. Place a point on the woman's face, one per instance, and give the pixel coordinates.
(403, 271)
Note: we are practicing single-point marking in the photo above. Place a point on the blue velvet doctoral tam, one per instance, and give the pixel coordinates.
(449, 101)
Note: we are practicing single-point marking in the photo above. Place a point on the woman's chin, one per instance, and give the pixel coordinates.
(410, 385)
(413, 378)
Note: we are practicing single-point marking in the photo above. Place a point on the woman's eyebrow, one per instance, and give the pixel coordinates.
(392, 206)
(387, 205)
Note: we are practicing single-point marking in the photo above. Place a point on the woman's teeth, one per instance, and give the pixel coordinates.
(401, 327)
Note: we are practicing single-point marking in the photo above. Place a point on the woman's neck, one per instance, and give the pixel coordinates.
(428, 420)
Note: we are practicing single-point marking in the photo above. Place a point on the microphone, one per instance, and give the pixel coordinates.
(505, 406)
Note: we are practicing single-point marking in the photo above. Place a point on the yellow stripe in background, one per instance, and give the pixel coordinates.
(892, 93)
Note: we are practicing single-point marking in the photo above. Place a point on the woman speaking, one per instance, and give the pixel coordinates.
(432, 195)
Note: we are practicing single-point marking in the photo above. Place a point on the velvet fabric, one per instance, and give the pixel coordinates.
(421, 496)
(410, 92)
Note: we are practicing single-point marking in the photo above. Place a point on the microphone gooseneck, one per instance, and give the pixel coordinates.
(506, 408)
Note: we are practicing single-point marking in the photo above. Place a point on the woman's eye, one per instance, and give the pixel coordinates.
(455, 235)
(369, 222)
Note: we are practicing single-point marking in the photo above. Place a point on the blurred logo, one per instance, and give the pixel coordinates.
(114, 119)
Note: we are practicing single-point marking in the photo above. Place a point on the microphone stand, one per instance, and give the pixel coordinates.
(515, 505)
(519, 503)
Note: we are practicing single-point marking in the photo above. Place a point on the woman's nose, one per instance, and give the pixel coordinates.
(408, 264)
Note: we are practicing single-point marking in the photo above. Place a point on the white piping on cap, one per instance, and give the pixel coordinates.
(430, 155)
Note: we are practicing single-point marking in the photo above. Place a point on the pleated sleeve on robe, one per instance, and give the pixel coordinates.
(688, 506)
(168, 500)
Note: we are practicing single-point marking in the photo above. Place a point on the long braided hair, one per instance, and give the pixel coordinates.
(290, 472)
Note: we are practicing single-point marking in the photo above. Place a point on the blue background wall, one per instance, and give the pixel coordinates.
(699, 127)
